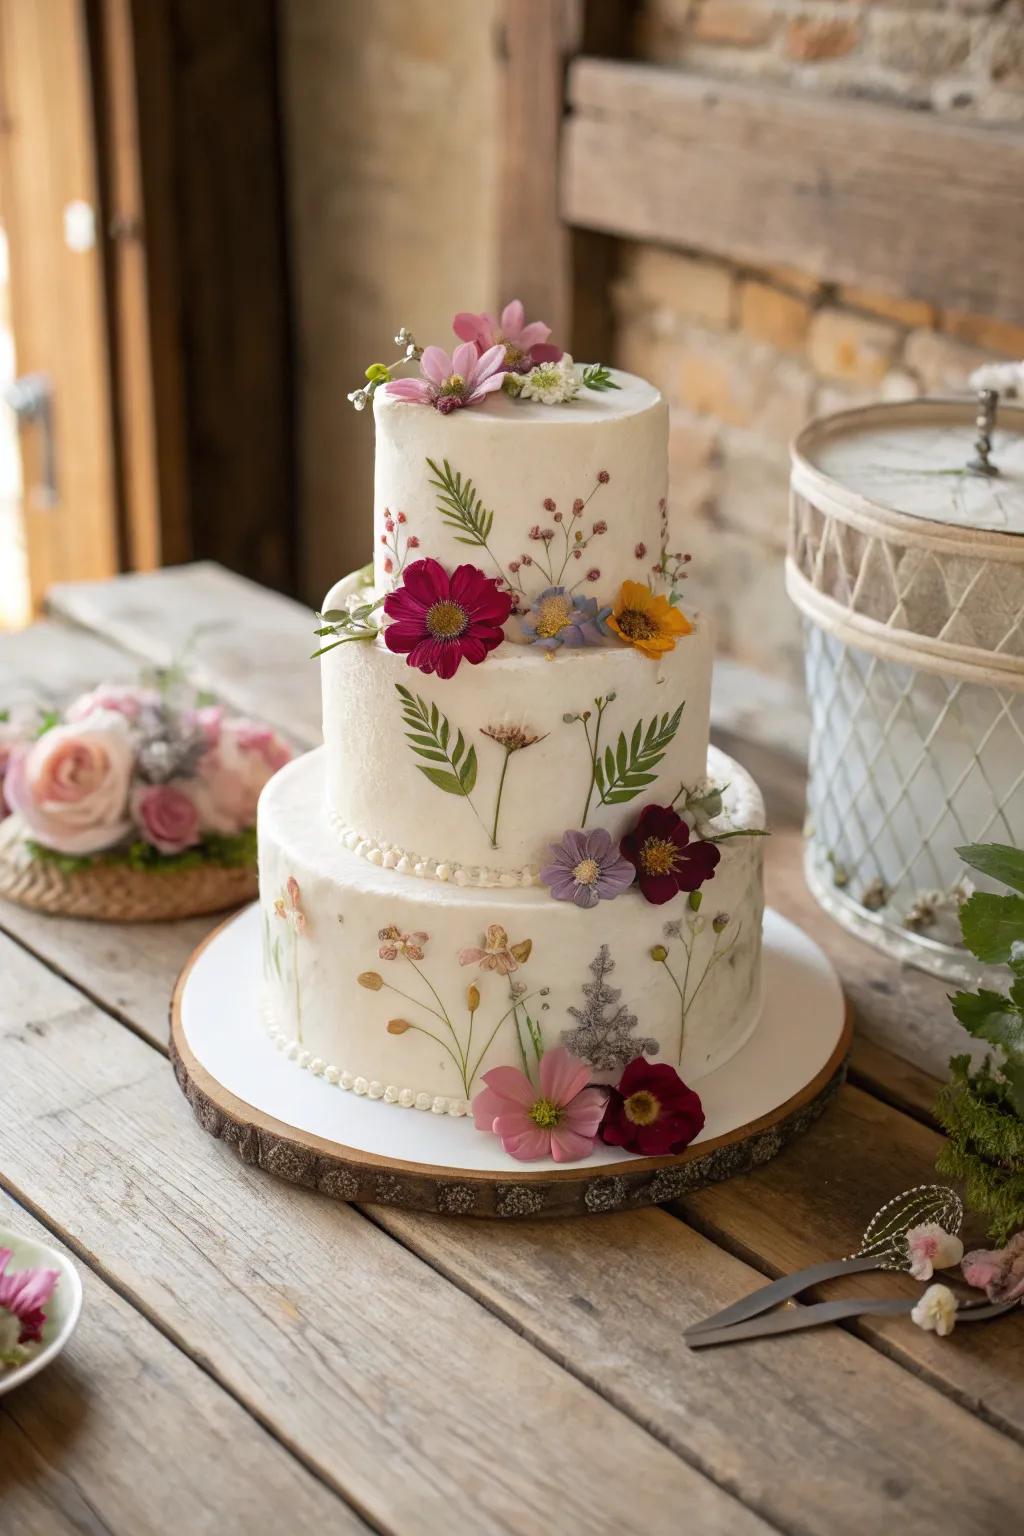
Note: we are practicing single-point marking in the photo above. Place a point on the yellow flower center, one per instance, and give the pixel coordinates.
(446, 619)
(658, 856)
(553, 615)
(454, 384)
(545, 1114)
(513, 354)
(636, 624)
(642, 1108)
(586, 871)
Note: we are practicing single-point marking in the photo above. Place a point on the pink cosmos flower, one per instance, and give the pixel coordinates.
(437, 620)
(243, 755)
(525, 345)
(559, 1119)
(71, 786)
(166, 815)
(23, 1295)
(449, 383)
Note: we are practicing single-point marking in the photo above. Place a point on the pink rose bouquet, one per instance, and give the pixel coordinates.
(244, 754)
(71, 785)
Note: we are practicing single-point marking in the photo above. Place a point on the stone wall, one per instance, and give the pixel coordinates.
(746, 356)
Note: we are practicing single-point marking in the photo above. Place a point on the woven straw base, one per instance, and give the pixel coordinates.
(115, 893)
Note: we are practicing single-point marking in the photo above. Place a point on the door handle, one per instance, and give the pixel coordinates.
(30, 397)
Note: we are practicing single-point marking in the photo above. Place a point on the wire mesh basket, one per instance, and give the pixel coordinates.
(908, 566)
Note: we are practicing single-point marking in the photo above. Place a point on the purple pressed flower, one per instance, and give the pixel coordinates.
(560, 617)
(586, 868)
(449, 383)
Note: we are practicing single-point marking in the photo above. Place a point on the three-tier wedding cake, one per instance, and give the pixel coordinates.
(515, 849)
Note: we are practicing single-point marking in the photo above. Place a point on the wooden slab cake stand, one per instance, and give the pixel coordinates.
(276, 1115)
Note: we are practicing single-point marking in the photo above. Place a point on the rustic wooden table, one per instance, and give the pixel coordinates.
(255, 1358)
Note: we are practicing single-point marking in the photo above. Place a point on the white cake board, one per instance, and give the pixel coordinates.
(305, 1129)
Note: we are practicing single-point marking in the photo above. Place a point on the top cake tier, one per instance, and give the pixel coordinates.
(529, 465)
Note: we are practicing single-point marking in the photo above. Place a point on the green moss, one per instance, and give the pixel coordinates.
(224, 852)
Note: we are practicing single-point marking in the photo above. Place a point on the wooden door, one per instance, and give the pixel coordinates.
(50, 208)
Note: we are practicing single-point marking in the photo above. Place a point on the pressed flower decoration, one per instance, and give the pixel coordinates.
(647, 620)
(557, 1118)
(666, 858)
(23, 1295)
(497, 953)
(559, 617)
(438, 620)
(524, 344)
(585, 868)
(512, 739)
(687, 930)
(652, 1111)
(288, 907)
(449, 383)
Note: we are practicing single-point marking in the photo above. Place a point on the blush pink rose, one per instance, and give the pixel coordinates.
(71, 786)
(233, 772)
(127, 699)
(166, 815)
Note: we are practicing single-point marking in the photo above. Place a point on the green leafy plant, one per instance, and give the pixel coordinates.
(982, 1108)
(451, 766)
(597, 376)
(343, 625)
(624, 773)
(460, 506)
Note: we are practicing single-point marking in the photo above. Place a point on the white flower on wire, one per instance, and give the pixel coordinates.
(1006, 378)
(930, 1248)
(551, 383)
(936, 1311)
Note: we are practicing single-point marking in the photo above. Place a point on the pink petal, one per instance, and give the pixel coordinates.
(472, 328)
(485, 366)
(488, 387)
(584, 1113)
(487, 1106)
(435, 364)
(511, 1084)
(465, 360)
(545, 353)
(562, 1075)
(568, 1146)
(527, 1146)
(416, 390)
(470, 956)
(532, 335)
(512, 318)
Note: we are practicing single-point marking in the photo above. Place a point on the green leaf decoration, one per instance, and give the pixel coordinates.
(993, 927)
(429, 735)
(998, 860)
(460, 506)
(624, 773)
(991, 1016)
(597, 376)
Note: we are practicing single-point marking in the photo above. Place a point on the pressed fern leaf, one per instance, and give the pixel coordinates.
(623, 773)
(460, 506)
(429, 734)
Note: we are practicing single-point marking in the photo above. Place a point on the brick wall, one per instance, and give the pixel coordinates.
(746, 356)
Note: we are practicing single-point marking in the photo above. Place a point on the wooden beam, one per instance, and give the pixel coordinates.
(900, 202)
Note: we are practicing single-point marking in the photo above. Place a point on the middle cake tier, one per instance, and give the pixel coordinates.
(471, 779)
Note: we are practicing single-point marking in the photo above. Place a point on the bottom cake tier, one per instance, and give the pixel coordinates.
(408, 990)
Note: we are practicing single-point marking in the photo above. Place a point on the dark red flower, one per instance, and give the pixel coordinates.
(438, 620)
(665, 858)
(651, 1111)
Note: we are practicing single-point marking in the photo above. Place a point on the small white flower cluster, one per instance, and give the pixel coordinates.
(1005, 378)
(551, 383)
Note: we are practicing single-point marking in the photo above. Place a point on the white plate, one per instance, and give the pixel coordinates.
(62, 1309)
(798, 1033)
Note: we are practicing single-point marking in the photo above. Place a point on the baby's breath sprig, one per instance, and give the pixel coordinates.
(382, 373)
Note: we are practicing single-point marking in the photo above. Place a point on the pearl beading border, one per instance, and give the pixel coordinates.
(387, 856)
(371, 1088)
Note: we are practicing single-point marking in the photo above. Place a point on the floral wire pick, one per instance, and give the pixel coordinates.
(884, 1245)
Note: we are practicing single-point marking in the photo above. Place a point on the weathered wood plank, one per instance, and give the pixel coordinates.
(815, 1200)
(250, 645)
(78, 1444)
(847, 192)
(817, 1432)
(51, 663)
(360, 1356)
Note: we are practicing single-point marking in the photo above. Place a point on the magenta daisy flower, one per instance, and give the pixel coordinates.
(525, 345)
(449, 383)
(586, 867)
(438, 620)
(666, 860)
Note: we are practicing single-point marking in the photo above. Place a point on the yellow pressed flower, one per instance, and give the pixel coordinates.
(647, 620)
